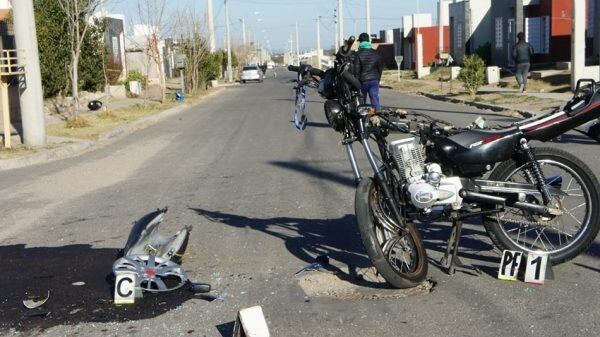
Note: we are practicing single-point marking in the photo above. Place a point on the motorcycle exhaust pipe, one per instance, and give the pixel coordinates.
(492, 199)
(480, 197)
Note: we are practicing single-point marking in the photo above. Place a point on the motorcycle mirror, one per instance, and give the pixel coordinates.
(350, 41)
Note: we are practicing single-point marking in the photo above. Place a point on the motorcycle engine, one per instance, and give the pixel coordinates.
(426, 183)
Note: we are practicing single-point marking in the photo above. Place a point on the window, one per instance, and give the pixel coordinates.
(459, 36)
(537, 33)
(499, 33)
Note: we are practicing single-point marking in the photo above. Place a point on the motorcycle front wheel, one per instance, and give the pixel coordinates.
(401, 259)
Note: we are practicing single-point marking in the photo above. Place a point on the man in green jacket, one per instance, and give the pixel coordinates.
(522, 54)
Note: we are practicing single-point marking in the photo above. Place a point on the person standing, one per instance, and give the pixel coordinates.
(368, 68)
(522, 53)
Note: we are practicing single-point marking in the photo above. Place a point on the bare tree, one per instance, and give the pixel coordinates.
(79, 14)
(195, 47)
(152, 14)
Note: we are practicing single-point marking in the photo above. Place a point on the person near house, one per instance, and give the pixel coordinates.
(368, 68)
(522, 53)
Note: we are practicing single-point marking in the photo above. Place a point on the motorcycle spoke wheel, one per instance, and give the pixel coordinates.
(531, 232)
(397, 247)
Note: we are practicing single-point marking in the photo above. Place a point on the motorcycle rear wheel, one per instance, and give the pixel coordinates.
(560, 244)
(401, 260)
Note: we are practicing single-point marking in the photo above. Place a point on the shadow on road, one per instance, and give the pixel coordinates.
(315, 172)
(37, 270)
(308, 238)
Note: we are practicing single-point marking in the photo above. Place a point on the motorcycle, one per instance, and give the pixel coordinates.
(539, 200)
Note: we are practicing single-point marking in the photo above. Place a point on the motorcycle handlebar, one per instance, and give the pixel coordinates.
(293, 68)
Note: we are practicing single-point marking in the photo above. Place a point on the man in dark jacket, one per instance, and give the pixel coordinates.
(522, 54)
(368, 68)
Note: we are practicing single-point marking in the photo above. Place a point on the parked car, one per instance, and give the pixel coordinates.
(251, 73)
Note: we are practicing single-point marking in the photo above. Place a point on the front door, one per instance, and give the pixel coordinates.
(511, 35)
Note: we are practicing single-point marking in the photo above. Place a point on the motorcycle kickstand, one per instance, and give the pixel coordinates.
(451, 261)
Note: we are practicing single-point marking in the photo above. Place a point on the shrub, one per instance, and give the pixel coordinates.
(472, 74)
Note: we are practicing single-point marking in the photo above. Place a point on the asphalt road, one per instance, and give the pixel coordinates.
(264, 200)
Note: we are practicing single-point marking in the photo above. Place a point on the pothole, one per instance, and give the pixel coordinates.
(365, 284)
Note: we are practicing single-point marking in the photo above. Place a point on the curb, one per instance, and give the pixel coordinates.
(47, 156)
(486, 106)
(79, 146)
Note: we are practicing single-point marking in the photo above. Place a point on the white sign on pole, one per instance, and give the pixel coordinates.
(536, 268)
(399, 60)
(125, 288)
(509, 265)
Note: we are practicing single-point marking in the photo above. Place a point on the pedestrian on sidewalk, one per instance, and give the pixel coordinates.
(368, 68)
(522, 53)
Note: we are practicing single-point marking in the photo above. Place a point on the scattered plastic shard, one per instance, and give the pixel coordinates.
(36, 303)
(78, 284)
(321, 262)
(39, 314)
(144, 239)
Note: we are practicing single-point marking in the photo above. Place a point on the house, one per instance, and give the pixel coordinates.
(430, 45)
(409, 22)
(470, 27)
(7, 38)
(139, 54)
(547, 25)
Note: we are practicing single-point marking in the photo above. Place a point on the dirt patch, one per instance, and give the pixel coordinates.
(366, 285)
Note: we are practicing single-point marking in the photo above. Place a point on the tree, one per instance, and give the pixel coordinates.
(152, 14)
(79, 14)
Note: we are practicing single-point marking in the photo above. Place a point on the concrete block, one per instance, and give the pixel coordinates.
(117, 91)
(251, 322)
(454, 71)
(492, 75)
(214, 84)
(424, 71)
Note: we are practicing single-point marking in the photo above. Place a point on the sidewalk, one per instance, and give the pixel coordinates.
(490, 97)
(63, 147)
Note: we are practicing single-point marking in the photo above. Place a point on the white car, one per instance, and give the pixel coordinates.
(251, 73)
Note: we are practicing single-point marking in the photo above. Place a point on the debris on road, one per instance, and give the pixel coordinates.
(78, 284)
(321, 262)
(152, 263)
(36, 302)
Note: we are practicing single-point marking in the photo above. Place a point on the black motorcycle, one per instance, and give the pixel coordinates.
(541, 200)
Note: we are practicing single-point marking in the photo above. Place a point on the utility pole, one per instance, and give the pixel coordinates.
(228, 24)
(297, 44)
(369, 18)
(211, 26)
(341, 22)
(243, 21)
(319, 52)
(337, 31)
(31, 99)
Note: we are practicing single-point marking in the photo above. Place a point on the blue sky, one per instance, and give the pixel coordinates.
(277, 17)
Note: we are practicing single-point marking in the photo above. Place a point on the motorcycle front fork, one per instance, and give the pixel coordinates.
(379, 178)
